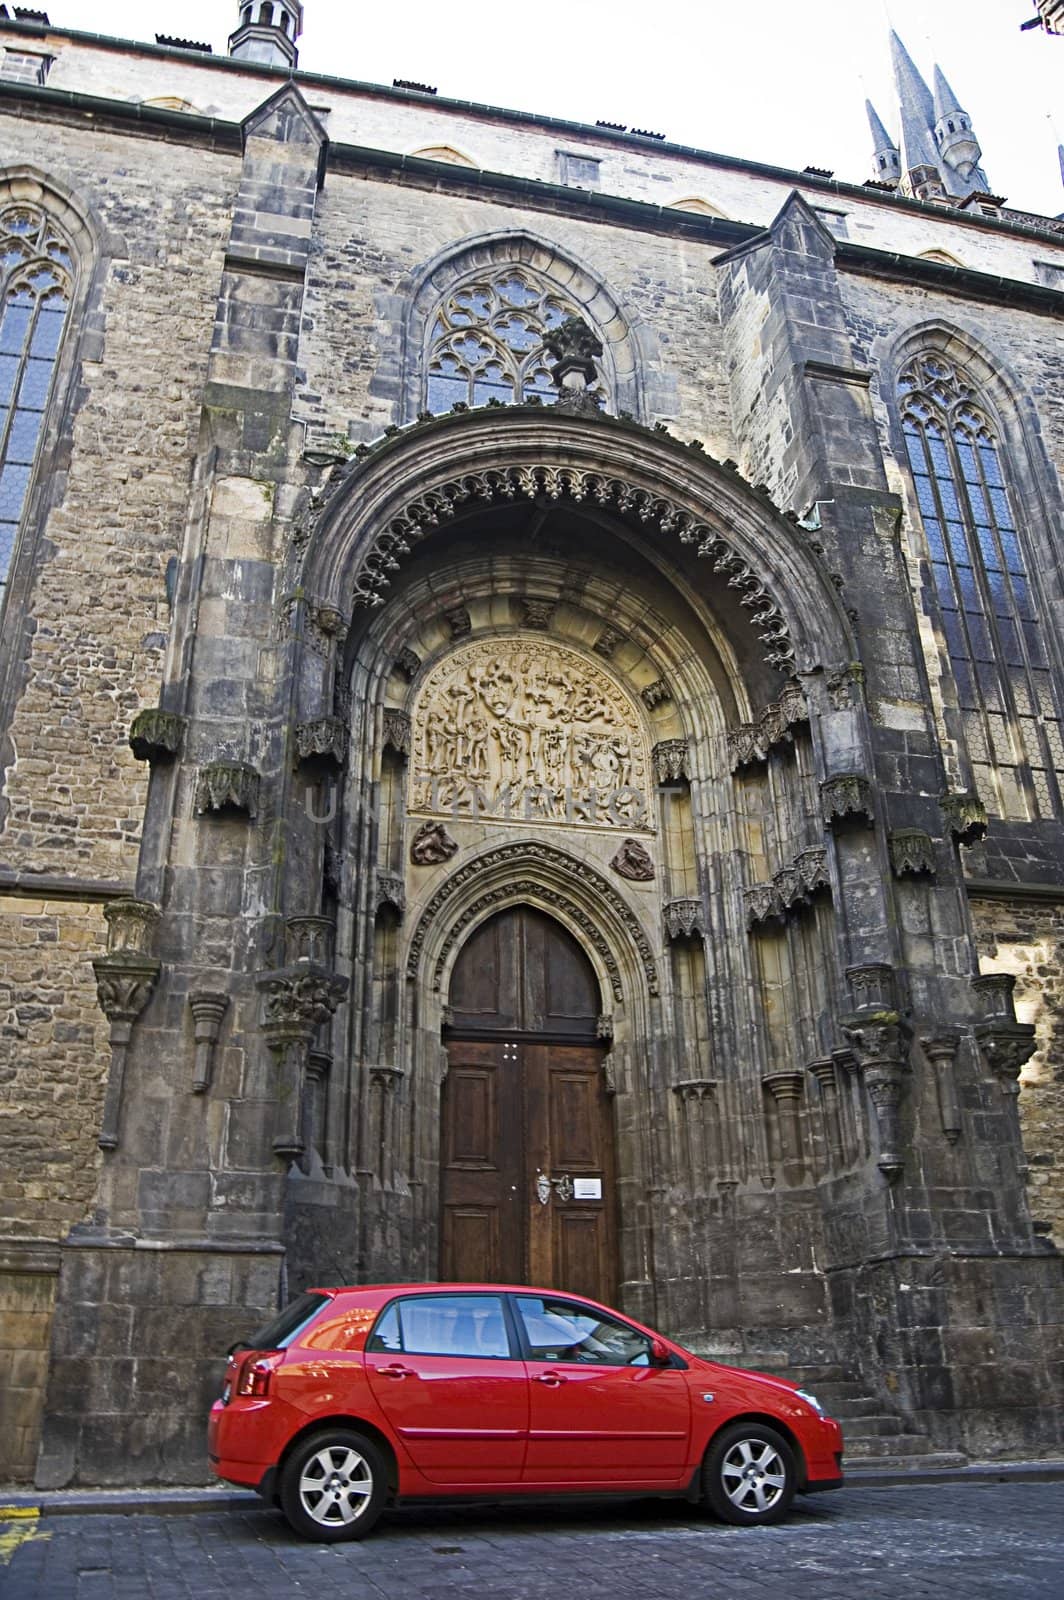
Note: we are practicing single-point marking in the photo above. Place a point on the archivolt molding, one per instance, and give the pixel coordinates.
(552, 869)
(371, 516)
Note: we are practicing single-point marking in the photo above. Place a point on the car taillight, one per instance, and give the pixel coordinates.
(254, 1377)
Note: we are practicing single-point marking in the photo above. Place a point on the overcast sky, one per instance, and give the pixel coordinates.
(771, 80)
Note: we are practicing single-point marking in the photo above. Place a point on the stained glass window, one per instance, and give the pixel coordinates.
(36, 276)
(486, 340)
(984, 593)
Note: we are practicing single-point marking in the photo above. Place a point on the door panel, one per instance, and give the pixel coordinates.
(606, 1425)
(528, 1105)
(443, 1372)
(482, 1221)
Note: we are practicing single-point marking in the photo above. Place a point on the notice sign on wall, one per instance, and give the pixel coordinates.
(587, 1188)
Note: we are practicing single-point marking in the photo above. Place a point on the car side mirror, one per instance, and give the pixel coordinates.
(660, 1354)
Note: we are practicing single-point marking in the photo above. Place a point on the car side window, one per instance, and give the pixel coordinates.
(559, 1330)
(443, 1325)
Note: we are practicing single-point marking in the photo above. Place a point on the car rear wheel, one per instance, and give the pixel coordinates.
(333, 1486)
(749, 1476)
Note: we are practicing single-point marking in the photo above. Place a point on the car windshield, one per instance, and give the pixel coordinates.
(278, 1334)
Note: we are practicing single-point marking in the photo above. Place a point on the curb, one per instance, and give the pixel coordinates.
(181, 1502)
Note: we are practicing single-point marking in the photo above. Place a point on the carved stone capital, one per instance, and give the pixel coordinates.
(157, 735)
(911, 852)
(877, 1043)
(296, 1000)
(788, 887)
(458, 621)
(395, 731)
(784, 1085)
(873, 986)
(322, 743)
(431, 845)
(538, 614)
(671, 758)
(845, 686)
(746, 745)
(607, 642)
(656, 694)
(311, 938)
(227, 787)
(634, 862)
(965, 816)
(780, 717)
(386, 1079)
(812, 868)
(124, 985)
(391, 893)
(408, 663)
(847, 798)
(995, 992)
(823, 1071)
(208, 1007)
(131, 926)
(684, 919)
(325, 628)
(762, 904)
(1006, 1047)
(688, 1089)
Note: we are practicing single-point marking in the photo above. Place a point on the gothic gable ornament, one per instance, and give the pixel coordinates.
(521, 730)
(633, 861)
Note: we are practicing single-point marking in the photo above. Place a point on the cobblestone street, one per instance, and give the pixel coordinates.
(940, 1540)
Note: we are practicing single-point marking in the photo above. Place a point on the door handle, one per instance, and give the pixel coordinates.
(396, 1372)
(553, 1380)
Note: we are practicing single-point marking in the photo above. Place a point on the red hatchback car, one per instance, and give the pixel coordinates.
(354, 1398)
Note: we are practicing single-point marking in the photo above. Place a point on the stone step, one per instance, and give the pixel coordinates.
(876, 1425)
(868, 1447)
(874, 1466)
(852, 1410)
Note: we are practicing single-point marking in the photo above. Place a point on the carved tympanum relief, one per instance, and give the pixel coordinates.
(523, 730)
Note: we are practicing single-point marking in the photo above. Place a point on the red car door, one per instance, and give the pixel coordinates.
(600, 1414)
(442, 1370)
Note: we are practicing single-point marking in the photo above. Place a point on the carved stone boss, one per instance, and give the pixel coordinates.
(125, 978)
(523, 730)
(874, 1029)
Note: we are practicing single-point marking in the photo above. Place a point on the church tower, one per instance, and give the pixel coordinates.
(887, 156)
(938, 157)
(267, 32)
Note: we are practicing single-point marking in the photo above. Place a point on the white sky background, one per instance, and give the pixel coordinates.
(771, 80)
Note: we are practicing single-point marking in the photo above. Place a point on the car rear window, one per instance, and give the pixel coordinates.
(278, 1334)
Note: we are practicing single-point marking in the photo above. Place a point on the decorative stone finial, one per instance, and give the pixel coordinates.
(267, 32)
(575, 349)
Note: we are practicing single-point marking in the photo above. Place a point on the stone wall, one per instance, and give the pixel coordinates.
(1027, 939)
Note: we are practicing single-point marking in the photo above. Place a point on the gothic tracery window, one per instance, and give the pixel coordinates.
(36, 282)
(486, 340)
(994, 637)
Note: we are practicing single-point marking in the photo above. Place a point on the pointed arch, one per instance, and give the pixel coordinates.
(552, 283)
(981, 487)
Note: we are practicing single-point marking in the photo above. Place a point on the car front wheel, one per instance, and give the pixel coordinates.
(333, 1486)
(748, 1476)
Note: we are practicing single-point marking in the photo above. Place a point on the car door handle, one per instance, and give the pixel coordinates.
(553, 1380)
(396, 1372)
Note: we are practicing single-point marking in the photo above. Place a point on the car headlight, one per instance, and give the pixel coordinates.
(811, 1400)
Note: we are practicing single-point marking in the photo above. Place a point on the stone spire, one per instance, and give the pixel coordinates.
(957, 144)
(917, 107)
(267, 32)
(886, 154)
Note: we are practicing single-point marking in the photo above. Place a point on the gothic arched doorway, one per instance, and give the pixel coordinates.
(526, 1150)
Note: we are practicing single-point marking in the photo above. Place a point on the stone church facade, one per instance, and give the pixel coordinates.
(530, 684)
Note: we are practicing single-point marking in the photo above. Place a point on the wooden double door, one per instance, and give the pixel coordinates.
(526, 1148)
